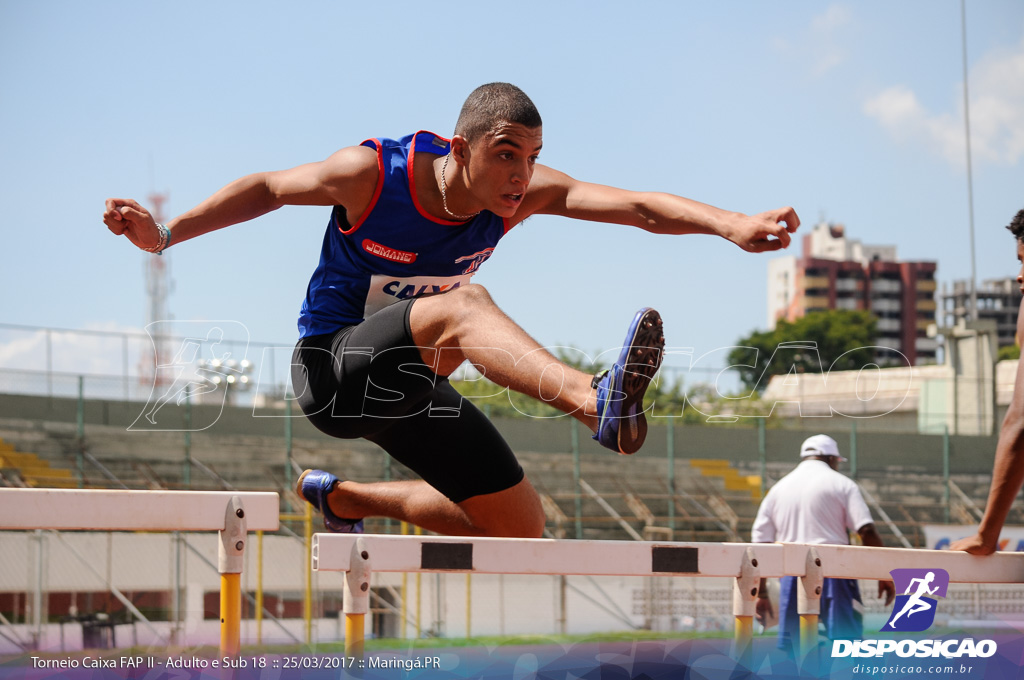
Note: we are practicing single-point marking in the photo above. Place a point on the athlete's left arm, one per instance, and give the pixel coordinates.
(555, 193)
(1007, 470)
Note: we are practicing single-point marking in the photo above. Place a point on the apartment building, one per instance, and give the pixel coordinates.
(998, 301)
(835, 272)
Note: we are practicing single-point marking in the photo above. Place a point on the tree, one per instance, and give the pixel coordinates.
(500, 402)
(665, 397)
(1009, 352)
(818, 342)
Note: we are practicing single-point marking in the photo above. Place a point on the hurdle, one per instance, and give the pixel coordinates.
(231, 514)
(359, 555)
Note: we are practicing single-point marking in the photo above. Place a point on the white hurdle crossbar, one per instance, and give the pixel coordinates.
(230, 513)
(359, 555)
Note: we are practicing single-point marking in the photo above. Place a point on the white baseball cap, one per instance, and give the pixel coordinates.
(820, 445)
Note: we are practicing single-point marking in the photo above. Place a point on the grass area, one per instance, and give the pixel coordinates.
(489, 641)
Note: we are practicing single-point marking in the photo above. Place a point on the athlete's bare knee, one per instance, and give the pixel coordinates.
(443, 318)
(522, 525)
(513, 513)
(471, 297)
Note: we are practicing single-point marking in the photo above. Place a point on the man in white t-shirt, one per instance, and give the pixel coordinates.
(816, 504)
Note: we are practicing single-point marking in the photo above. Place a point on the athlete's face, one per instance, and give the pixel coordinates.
(501, 166)
(1020, 258)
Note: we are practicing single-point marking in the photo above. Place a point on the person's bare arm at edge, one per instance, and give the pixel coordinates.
(1007, 471)
(347, 178)
(555, 193)
(869, 536)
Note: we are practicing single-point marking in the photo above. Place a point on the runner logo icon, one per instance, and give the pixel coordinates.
(914, 610)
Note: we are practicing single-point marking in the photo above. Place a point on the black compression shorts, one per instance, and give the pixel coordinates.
(369, 381)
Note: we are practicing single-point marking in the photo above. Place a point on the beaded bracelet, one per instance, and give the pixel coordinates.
(165, 240)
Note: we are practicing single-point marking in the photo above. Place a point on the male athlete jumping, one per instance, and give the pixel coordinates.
(390, 311)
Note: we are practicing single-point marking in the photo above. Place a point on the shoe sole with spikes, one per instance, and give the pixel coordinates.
(622, 424)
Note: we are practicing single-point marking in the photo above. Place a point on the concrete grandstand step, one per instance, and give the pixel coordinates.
(43, 470)
(31, 470)
(51, 482)
(732, 479)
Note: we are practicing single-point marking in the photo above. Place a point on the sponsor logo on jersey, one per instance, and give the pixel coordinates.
(391, 254)
(475, 260)
(403, 290)
(387, 290)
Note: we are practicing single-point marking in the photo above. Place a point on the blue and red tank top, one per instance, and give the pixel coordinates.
(395, 250)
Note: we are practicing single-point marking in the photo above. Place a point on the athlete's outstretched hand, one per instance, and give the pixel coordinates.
(765, 231)
(123, 216)
(975, 545)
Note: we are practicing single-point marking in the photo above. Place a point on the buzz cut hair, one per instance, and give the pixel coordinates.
(1016, 226)
(489, 105)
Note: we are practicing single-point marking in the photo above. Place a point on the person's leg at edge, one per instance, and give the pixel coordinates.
(466, 324)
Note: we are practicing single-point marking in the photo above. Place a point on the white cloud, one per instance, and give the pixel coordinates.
(896, 108)
(997, 106)
(996, 91)
(110, 356)
(819, 48)
(899, 111)
(826, 50)
(835, 17)
(92, 353)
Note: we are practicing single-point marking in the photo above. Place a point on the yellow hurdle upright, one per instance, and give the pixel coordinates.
(743, 637)
(808, 632)
(808, 606)
(744, 606)
(355, 626)
(356, 597)
(230, 558)
(230, 614)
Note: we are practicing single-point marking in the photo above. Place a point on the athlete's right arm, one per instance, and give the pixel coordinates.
(348, 178)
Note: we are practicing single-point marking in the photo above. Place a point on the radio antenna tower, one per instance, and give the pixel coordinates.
(158, 287)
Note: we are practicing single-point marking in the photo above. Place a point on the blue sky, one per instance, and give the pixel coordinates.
(851, 111)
